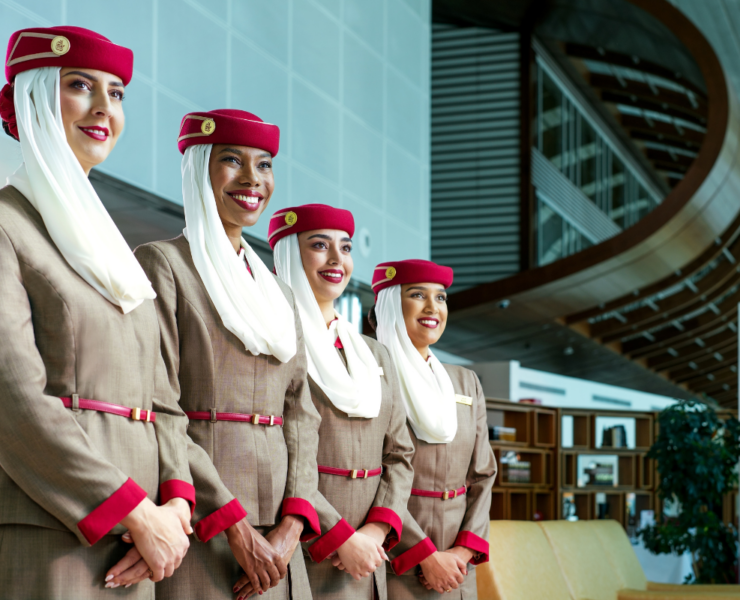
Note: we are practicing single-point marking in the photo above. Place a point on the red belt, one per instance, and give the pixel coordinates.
(137, 414)
(353, 473)
(213, 416)
(444, 495)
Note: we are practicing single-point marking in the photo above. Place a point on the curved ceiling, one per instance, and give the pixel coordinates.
(664, 292)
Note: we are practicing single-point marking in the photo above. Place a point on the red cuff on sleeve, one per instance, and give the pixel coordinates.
(175, 488)
(106, 516)
(476, 544)
(378, 514)
(298, 507)
(330, 541)
(413, 556)
(217, 521)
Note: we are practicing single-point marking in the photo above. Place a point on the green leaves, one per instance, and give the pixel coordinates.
(697, 452)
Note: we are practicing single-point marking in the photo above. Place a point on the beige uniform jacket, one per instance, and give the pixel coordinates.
(238, 468)
(80, 471)
(432, 523)
(345, 504)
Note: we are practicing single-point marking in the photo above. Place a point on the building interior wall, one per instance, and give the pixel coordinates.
(347, 81)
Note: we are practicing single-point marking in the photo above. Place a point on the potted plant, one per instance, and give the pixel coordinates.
(697, 452)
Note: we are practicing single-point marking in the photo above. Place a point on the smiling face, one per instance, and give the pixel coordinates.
(425, 313)
(92, 113)
(327, 261)
(242, 182)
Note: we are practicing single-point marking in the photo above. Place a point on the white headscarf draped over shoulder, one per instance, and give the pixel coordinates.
(55, 184)
(356, 389)
(426, 387)
(252, 307)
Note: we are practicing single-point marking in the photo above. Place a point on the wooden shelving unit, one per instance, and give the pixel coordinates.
(537, 432)
(554, 469)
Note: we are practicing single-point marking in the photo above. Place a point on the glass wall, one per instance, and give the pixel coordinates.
(587, 159)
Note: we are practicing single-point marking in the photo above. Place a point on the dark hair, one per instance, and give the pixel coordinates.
(372, 318)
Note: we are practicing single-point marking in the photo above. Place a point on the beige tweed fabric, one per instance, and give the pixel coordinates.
(466, 460)
(70, 570)
(61, 337)
(209, 368)
(357, 443)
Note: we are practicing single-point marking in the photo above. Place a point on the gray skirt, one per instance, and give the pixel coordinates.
(209, 571)
(38, 563)
(407, 587)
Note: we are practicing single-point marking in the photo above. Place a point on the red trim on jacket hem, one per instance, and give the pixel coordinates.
(298, 507)
(413, 556)
(219, 520)
(108, 514)
(176, 488)
(330, 541)
(474, 543)
(378, 514)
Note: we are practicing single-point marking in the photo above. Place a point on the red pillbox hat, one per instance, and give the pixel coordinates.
(228, 126)
(401, 272)
(307, 218)
(66, 47)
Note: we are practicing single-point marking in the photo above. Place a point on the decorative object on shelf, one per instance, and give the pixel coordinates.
(530, 401)
(600, 474)
(515, 470)
(502, 434)
(538, 516)
(614, 437)
(602, 507)
(697, 452)
(630, 512)
(569, 507)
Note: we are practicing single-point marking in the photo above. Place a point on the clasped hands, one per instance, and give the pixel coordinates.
(264, 559)
(159, 535)
(363, 552)
(445, 571)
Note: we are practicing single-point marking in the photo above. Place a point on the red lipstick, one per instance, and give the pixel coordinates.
(332, 275)
(244, 194)
(430, 322)
(96, 132)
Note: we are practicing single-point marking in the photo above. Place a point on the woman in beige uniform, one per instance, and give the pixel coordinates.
(446, 527)
(233, 346)
(92, 436)
(364, 448)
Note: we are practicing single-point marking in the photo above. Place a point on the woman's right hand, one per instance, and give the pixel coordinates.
(262, 564)
(360, 555)
(159, 535)
(443, 571)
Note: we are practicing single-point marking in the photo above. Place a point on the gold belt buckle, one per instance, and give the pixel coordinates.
(446, 496)
(272, 420)
(365, 477)
(255, 419)
(354, 473)
(455, 491)
(136, 414)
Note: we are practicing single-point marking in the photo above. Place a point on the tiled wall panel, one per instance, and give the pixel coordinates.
(347, 81)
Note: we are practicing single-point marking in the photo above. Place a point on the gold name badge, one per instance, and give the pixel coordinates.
(463, 399)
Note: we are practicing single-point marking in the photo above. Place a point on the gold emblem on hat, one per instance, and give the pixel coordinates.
(291, 218)
(390, 272)
(60, 45)
(208, 126)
